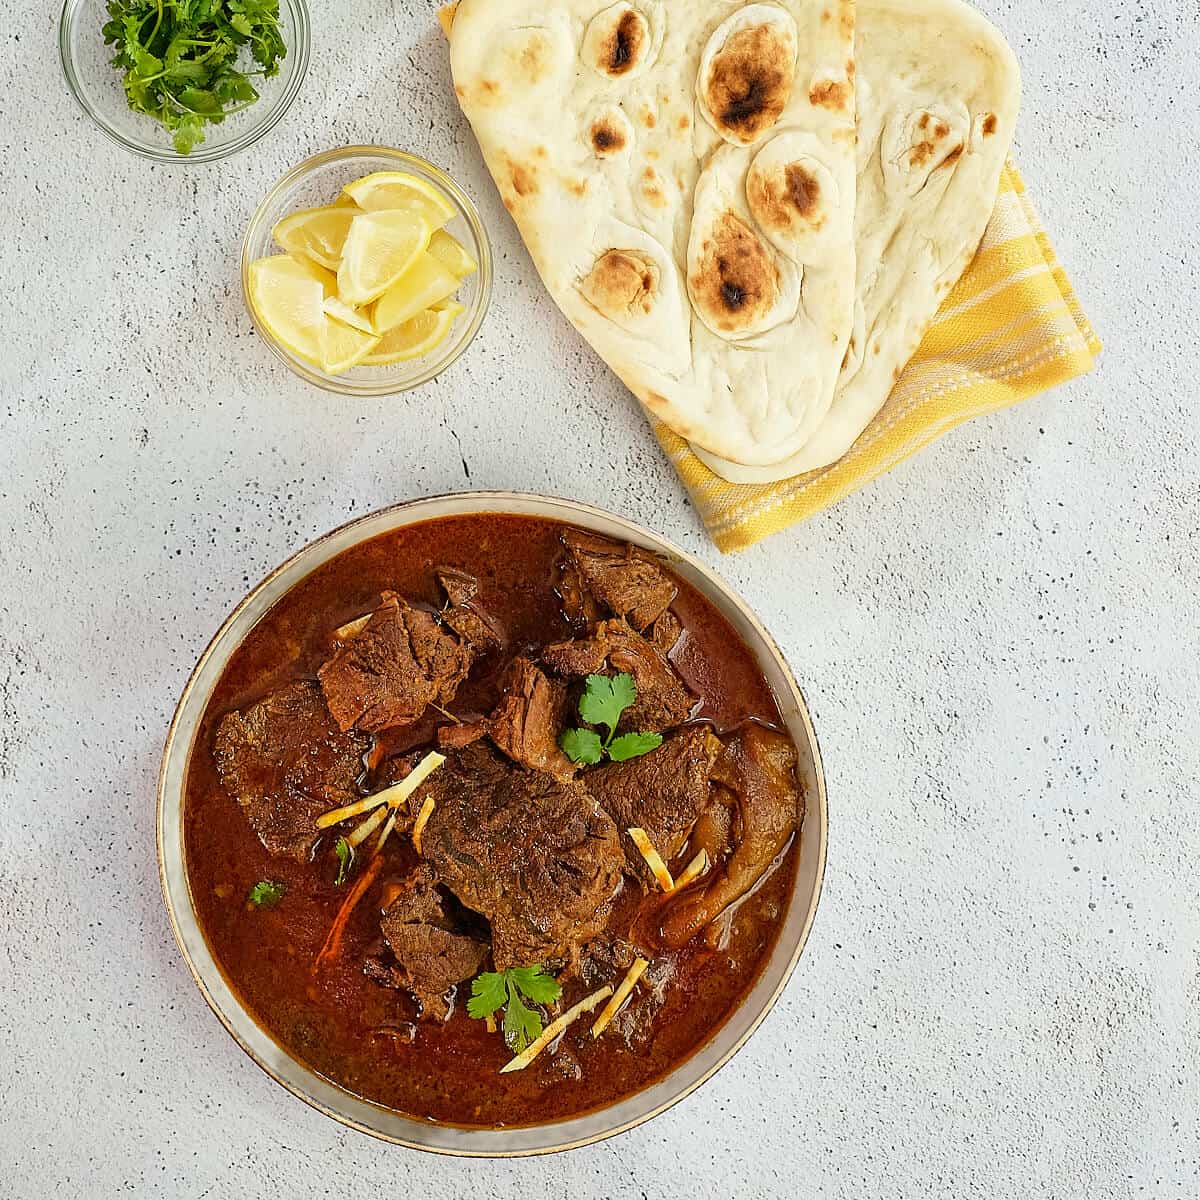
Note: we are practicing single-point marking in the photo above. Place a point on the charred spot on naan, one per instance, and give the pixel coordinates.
(748, 85)
(621, 284)
(523, 178)
(651, 193)
(606, 139)
(780, 200)
(734, 281)
(830, 93)
(617, 41)
(915, 146)
(746, 72)
(534, 59)
(804, 191)
(792, 196)
(932, 147)
(610, 133)
(989, 125)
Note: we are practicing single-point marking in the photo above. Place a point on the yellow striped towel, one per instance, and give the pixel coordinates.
(1010, 329)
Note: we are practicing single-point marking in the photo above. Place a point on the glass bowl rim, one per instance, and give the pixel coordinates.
(272, 113)
(337, 1102)
(466, 209)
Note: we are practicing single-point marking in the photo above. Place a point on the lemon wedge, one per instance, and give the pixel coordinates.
(395, 189)
(380, 248)
(421, 287)
(339, 310)
(317, 233)
(343, 346)
(302, 267)
(451, 254)
(287, 299)
(414, 337)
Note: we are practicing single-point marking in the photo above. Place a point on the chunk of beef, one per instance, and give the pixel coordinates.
(461, 587)
(636, 1023)
(580, 656)
(606, 959)
(666, 632)
(285, 761)
(390, 671)
(662, 792)
(479, 630)
(530, 716)
(430, 953)
(526, 722)
(445, 658)
(393, 770)
(534, 854)
(628, 581)
(579, 606)
(663, 699)
(455, 737)
(759, 768)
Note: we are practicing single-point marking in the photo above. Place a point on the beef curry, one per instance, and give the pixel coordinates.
(492, 820)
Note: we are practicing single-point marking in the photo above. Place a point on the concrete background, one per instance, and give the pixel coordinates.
(1001, 996)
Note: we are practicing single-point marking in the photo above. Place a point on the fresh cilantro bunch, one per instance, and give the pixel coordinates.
(503, 989)
(180, 58)
(602, 703)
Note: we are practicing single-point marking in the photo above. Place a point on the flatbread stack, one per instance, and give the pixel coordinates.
(750, 210)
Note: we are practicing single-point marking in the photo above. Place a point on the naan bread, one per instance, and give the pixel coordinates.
(683, 176)
(938, 92)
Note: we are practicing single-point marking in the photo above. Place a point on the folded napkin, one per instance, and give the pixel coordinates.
(1010, 329)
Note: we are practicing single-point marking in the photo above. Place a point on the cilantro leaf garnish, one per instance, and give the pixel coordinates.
(536, 984)
(345, 857)
(521, 1025)
(180, 58)
(603, 701)
(493, 990)
(633, 745)
(581, 745)
(266, 893)
(488, 993)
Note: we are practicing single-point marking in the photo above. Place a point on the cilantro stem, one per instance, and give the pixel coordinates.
(157, 22)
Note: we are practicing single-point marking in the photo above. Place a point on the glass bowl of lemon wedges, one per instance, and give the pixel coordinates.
(367, 270)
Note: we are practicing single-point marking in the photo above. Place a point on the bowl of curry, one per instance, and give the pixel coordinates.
(491, 824)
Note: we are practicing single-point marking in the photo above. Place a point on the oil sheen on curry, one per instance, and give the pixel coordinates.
(491, 821)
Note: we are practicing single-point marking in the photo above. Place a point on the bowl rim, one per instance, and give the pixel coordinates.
(180, 740)
(433, 365)
(273, 113)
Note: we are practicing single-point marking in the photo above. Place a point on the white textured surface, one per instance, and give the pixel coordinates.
(1001, 996)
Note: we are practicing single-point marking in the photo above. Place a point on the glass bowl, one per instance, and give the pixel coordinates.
(386, 1123)
(318, 181)
(96, 84)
